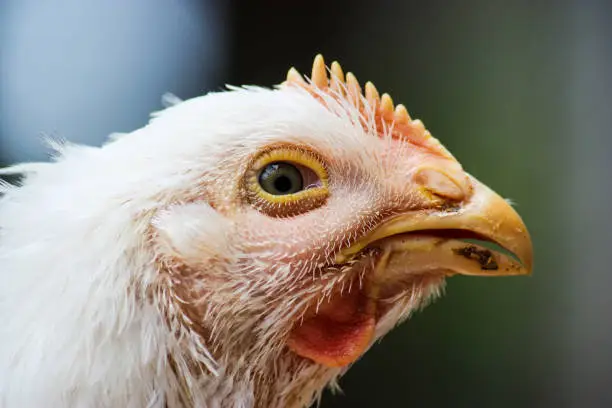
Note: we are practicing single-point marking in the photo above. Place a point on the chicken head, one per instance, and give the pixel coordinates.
(241, 250)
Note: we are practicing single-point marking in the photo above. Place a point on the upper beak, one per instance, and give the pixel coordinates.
(435, 239)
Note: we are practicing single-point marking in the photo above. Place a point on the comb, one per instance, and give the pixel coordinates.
(389, 118)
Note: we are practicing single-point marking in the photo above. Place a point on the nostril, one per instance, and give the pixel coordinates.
(440, 183)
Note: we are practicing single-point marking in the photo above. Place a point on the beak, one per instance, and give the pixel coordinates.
(452, 240)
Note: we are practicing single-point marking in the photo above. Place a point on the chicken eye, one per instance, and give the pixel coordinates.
(286, 181)
(281, 179)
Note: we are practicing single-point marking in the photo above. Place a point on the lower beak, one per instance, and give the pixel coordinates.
(457, 240)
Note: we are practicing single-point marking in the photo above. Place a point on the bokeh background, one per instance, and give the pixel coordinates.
(520, 91)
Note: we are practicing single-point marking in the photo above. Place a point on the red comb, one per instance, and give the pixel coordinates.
(388, 118)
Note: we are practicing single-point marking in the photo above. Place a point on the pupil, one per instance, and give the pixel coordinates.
(282, 184)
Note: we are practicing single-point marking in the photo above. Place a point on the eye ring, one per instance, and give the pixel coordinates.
(287, 181)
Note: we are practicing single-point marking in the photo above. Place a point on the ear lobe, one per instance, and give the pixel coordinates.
(194, 232)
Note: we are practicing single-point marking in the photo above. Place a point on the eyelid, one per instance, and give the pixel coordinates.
(291, 204)
(293, 155)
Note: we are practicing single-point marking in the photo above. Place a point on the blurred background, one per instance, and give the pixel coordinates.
(519, 91)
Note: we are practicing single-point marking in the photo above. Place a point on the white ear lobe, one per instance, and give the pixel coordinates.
(194, 232)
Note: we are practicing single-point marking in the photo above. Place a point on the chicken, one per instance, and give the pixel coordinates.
(243, 249)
